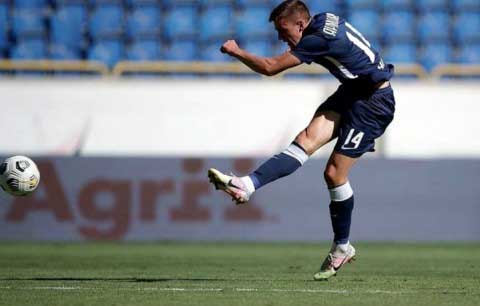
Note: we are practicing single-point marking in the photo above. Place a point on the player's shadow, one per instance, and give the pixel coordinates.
(113, 279)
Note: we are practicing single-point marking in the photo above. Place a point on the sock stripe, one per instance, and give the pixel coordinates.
(299, 146)
(297, 152)
(341, 193)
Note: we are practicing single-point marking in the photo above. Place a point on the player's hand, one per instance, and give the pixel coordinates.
(230, 47)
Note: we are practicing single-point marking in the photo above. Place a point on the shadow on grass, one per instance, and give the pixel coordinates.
(107, 279)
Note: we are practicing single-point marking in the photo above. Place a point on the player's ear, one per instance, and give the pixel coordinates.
(301, 25)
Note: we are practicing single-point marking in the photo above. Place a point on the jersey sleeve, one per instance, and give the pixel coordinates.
(309, 48)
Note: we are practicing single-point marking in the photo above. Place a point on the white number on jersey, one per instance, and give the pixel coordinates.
(362, 43)
(355, 140)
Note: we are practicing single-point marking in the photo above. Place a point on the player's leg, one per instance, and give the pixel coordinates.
(341, 207)
(321, 130)
(341, 195)
(365, 120)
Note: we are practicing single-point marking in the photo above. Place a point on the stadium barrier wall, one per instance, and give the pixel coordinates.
(93, 67)
(205, 68)
(222, 118)
(126, 67)
(164, 199)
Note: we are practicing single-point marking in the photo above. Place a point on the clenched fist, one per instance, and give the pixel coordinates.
(230, 47)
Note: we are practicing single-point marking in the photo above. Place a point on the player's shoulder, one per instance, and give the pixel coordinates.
(325, 25)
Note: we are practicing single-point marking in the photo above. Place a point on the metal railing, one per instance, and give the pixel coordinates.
(54, 66)
(455, 70)
(128, 67)
(211, 68)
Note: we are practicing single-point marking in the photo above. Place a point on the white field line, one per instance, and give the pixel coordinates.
(310, 290)
(334, 291)
(215, 290)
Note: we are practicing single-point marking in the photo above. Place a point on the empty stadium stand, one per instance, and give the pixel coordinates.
(425, 32)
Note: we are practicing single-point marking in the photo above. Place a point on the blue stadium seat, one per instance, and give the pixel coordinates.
(180, 22)
(389, 5)
(28, 23)
(356, 4)
(144, 50)
(63, 52)
(106, 22)
(466, 27)
(3, 43)
(212, 3)
(366, 21)
(29, 50)
(100, 3)
(108, 52)
(140, 3)
(375, 44)
(316, 6)
(469, 54)
(399, 26)
(179, 3)
(67, 25)
(260, 48)
(250, 3)
(429, 5)
(211, 52)
(215, 23)
(465, 5)
(60, 3)
(253, 23)
(279, 48)
(185, 50)
(400, 53)
(435, 54)
(433, 26)
(30, 3)
(4, 24)
(143, 21)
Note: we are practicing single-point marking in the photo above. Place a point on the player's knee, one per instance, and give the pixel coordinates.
(334, 177)
(307, 143)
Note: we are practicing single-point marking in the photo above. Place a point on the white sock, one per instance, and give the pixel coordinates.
(248, 183)
(343, 247)
(296, 152)
(341, 193)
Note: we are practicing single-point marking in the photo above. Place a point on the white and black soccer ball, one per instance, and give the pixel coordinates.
(19, 176)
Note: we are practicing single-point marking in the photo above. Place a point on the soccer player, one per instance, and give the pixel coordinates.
(356, 114)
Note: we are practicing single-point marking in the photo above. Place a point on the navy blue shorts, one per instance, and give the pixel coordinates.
(364, 117)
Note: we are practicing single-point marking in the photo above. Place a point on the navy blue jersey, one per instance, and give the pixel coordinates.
(335, 44)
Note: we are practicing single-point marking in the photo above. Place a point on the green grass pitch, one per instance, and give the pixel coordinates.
(230, 274)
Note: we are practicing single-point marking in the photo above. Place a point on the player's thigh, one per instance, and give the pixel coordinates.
(337, 169)
(322, 129)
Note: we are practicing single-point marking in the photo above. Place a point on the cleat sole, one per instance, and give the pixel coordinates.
(214, 178)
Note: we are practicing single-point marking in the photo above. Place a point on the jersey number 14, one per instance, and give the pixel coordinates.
(353, 142)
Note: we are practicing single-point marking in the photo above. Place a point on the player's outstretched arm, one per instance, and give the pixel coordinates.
(264, 65)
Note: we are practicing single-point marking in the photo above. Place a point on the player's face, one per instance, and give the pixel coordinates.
(289, 30)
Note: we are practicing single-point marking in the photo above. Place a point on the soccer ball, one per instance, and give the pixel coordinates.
(19, 176)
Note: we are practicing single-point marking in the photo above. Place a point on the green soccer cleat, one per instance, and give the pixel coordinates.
(334, 261)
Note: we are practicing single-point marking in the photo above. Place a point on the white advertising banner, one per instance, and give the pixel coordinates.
(218, 118)
(163, 199)
(155, 118)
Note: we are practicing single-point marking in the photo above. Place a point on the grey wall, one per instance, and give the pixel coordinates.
(158, 198)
